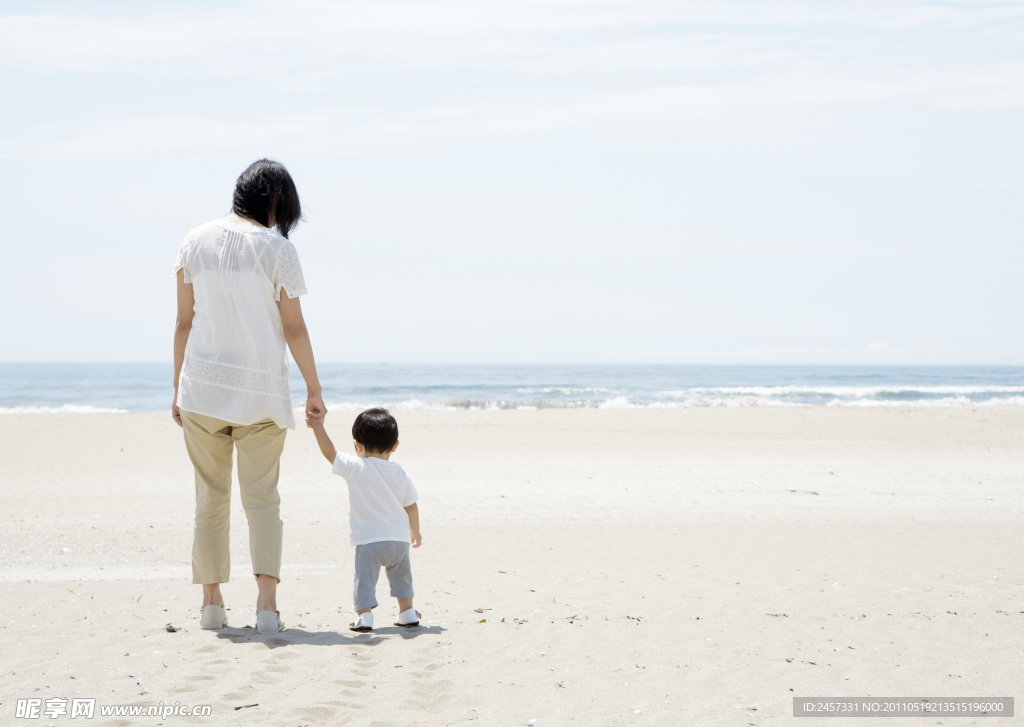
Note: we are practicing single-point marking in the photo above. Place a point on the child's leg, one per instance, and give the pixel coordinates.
(399, 570)
(367, 571)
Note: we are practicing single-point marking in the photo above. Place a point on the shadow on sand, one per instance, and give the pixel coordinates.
(292, 637)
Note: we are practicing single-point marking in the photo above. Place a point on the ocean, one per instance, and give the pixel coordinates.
(95, 388)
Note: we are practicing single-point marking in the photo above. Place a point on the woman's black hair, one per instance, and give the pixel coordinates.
(264, 189)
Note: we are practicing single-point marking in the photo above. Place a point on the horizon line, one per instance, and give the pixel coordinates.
(547, 363)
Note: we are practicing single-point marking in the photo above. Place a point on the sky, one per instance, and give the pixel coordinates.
(628, 181)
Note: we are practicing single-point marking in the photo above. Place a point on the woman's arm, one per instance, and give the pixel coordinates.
(182, 326)
(297, 336)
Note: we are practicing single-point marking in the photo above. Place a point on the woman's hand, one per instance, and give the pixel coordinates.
(175, 413)
(315, 408)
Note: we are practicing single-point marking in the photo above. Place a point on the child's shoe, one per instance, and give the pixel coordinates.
(363, 624)
(408, 619)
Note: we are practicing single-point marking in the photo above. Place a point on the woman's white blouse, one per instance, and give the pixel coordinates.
(236, 364)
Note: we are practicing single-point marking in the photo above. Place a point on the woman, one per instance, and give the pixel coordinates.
(239, 283)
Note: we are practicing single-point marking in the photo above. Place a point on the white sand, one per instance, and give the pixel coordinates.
(637, 567)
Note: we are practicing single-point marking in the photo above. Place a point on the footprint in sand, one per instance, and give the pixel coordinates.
(259, 677)
(320, 715)
(206, 650)
(426, 672)
(349, 683)
(362, 663)
(434, 697)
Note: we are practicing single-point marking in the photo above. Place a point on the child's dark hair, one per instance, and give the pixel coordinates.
(376, 430)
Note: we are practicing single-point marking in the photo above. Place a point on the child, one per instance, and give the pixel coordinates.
(383, 517)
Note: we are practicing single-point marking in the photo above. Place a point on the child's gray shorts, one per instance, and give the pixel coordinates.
(391, 554)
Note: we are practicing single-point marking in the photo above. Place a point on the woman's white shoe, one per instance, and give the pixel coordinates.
(213, 618)
(269, 622)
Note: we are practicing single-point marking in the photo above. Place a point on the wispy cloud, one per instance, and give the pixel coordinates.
(548, 37)
(508, 68)
(373, 129)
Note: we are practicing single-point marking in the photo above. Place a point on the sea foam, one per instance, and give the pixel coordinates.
(116, 388)
(65, 409)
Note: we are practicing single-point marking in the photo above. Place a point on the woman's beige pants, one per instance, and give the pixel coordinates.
(209, 443)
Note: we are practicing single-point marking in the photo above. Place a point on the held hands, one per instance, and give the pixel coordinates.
(316, 410)
(414, 536)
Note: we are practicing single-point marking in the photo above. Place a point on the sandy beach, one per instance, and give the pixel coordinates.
(591, 567)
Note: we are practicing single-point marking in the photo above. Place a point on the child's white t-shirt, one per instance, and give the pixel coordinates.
(378, 493)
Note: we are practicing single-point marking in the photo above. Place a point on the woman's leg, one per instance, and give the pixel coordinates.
(259, 465)
(266, 600)
(209, 446)
(212, 595)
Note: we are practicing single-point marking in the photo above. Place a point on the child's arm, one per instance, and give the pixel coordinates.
(414, 525)
(326, 445)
